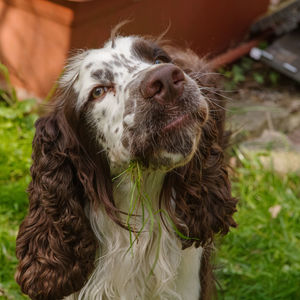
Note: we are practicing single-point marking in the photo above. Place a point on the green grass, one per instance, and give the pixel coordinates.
(16, 131)
(261, 258)
(258, 260)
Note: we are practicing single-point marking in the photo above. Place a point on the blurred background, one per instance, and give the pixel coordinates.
(254, 46)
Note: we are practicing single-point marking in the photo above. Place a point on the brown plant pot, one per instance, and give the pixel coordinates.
(36, 36)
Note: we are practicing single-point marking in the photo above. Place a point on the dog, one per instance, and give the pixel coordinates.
(129, 182)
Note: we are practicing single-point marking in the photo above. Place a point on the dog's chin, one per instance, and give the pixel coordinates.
(169, 161)
(165, 160)
(173, 147)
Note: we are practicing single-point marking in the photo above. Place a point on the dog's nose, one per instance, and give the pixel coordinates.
(163, 84)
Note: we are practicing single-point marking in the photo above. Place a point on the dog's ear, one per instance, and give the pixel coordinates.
(55, 244)
(198, 195)
(201, 189)
(201, 193)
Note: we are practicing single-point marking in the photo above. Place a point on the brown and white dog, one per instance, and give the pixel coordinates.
(134, 100)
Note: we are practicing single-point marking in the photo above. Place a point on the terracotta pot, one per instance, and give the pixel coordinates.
(36, 36)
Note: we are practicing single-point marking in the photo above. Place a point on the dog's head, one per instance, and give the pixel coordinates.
(138, 104)
(133, 100)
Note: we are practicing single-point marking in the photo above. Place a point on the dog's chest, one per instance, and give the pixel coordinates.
(153, 268)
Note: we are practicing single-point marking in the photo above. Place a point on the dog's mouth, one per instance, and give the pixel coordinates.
(177, 123)
(185, 119)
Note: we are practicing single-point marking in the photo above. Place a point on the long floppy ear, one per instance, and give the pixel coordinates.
(55, 245)
(201, 189)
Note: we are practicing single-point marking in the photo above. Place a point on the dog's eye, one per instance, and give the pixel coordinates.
(162, 59)
(99, 92)
(158, 61)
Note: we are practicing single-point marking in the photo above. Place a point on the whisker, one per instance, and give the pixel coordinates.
(216, 104)
(216, 93)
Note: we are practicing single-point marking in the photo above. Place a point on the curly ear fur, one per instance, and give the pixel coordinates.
(201, 189)
(55, 245)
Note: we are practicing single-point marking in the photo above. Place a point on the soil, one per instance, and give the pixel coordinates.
(263, 117)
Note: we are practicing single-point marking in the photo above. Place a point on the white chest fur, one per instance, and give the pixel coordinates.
(154, 267)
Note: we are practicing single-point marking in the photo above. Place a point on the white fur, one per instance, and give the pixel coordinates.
(124, 273)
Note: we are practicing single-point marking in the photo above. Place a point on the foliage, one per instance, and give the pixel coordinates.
(260, 259)
(16, 131)
(246, 69)
(9, 95)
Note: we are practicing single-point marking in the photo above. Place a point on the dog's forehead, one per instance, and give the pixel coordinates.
(121, 56)
(104, 66)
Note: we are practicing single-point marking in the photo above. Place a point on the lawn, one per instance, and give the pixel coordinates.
(258, 260)
(16, 131)
(261, 258)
